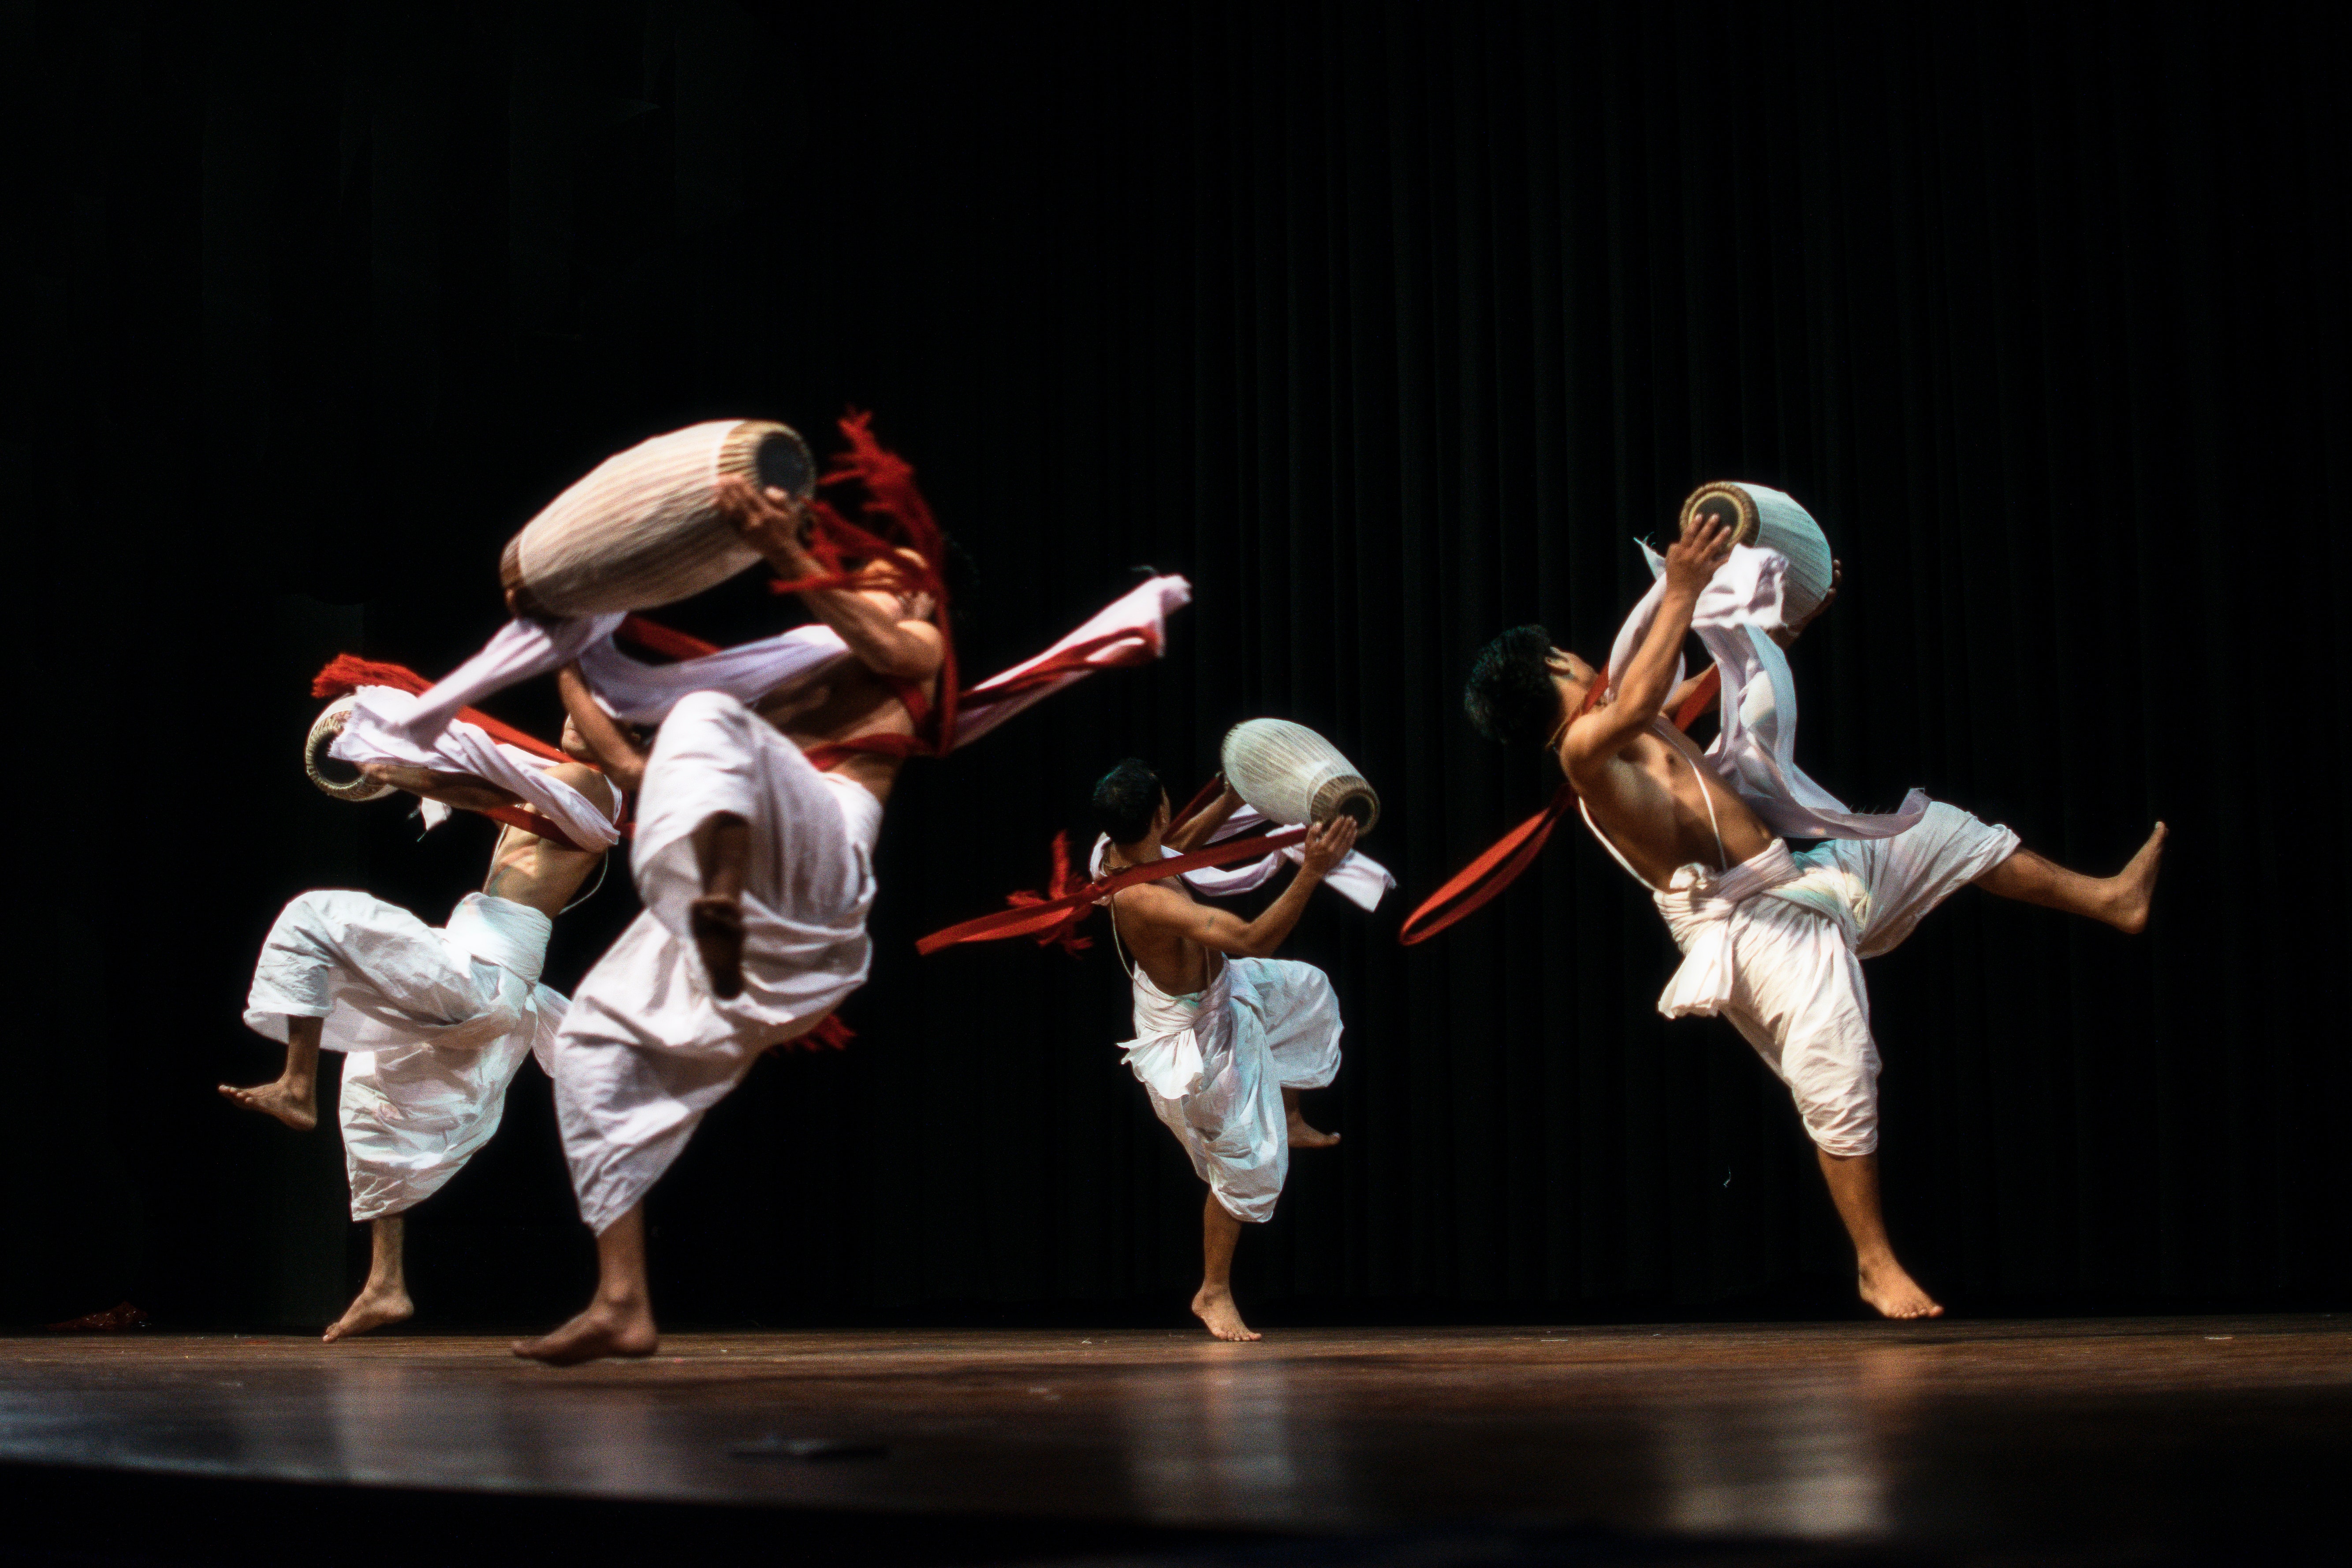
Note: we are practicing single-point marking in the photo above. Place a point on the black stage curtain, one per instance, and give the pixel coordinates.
(1389, 326)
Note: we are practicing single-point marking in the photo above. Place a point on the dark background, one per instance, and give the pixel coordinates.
(1389, 326)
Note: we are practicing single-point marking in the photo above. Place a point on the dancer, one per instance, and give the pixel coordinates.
(433, 1024)
(1772, 940)
(1227, 1038)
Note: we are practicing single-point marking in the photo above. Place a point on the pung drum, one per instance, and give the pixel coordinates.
(645, 528)
(339, 778)
(1772, 519)
(1292, 774)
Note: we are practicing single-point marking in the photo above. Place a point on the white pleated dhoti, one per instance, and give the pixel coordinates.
(434, 1025)
(1216, 1063)
(1775, 944)
(646, 1050)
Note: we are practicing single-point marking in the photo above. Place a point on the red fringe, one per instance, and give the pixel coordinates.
(347, 672)
(830, 1035)
(1062, 884)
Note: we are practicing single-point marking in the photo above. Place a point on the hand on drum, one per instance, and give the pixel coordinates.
(773, 522)
(1327, 845)
(1691, 560)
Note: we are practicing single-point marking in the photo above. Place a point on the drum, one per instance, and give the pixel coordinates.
(339, 778)
(1292, 774)
(643, 529)
(1772, 519)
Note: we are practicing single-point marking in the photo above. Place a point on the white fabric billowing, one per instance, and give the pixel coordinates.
(1357, 877)
(435, 1024)
(1215, 1065)
(646, 1049)
(378, 730)
(1776, 943)
(1756, 750)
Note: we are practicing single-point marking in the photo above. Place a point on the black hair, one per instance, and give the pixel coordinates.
(1125, 800)
(1510, 697)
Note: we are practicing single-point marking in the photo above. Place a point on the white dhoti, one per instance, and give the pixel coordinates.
(646, 1050)
(434, 1025)
(1776, 943)
(1215, 1064)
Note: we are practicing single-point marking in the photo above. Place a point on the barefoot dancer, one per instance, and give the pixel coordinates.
(754, 864)
(435, 1024)
(1772, 940)
(1226, 1037)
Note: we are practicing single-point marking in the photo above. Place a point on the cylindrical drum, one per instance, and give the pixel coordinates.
(339, 778)
(1292, 774)
(1772, 519)
(644, 528)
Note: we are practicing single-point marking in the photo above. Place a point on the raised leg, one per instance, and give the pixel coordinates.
(1215, 1304)
(1884, 1282)
(1301, 1135)
(723, 849)
(293, 1099)
(384, 1297)
(620, 1320)
(2121, 900)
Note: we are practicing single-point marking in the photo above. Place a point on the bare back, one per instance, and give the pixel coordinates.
(539, 872)
(1652, 799)
(1151, 920)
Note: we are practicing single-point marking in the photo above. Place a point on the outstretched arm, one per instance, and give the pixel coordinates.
(622, 759)
(1227, 932)
(1644, 683)
(873, 622)
(461, 790)
(1192, 833)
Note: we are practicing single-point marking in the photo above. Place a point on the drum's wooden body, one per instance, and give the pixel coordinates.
(339, 778)
(1292, 774)
(643, 529)
(1772, 519)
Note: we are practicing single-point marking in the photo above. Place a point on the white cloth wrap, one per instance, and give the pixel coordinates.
(1214, 1066)
(646, 1049)
(434, 1025)
(1357, 877)
(1776, 943)
(1756, 747)
(379, 730)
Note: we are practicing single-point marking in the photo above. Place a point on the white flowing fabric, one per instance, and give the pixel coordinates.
(377, 731)
(646, 1049)
(1357, 877)
(434, 1025)
(1215, 1065)
(1756, 750)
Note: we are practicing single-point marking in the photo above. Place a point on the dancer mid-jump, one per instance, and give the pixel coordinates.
(1772, 940)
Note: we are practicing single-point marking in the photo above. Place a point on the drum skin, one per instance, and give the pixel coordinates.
(333, 776)
(1292, 774)
(644, 528)
(1772, 519)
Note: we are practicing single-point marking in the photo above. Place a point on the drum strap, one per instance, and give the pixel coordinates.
(1478, 884)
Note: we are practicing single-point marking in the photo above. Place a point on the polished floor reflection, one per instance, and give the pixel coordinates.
(2123, 1431)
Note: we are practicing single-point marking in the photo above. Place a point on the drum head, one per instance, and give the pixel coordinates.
(1726, 503)
(332, 775)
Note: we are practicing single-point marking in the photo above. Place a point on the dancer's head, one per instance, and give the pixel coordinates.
(1521, 688)
(1130, 805)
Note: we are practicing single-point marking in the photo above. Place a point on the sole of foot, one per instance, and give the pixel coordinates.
(1222, 1317)
(593, 1336)
(299, 1112)
(370, 1312)
(2135, 884)
(717, 925)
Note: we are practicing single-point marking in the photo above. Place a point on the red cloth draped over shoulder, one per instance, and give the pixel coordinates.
(1480, 882)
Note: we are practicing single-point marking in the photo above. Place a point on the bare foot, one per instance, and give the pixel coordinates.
(1305, 1137)
(1893, 1293)
(717, 927)
(1223, 1319)
(601, 1331)
(373, 1308)
(2135, 885)
(295, 1105)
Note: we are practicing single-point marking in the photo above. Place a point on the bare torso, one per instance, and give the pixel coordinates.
(850, 703)
(1141, 915)
(541, 872)
(1652, 800)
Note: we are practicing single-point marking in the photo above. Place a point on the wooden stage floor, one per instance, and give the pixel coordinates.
(2130, 1439)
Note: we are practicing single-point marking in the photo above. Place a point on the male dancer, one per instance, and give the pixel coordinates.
(1772, 940)
(754, 865)
(436, 1023)
(1226, 1037)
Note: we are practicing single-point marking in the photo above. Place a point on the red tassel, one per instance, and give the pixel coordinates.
(1063, 884)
